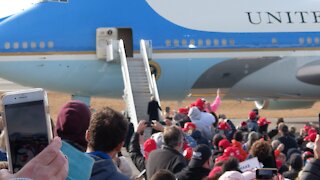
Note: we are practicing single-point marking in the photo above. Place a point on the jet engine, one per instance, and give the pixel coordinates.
(283, 104)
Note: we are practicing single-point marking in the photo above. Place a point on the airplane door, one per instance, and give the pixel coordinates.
(104, 37)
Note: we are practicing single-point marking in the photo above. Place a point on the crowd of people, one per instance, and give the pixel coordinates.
(194, 143)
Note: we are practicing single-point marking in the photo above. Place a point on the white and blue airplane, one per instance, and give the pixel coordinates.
(267, 51)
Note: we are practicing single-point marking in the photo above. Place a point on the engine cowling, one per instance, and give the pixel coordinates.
(283, 104)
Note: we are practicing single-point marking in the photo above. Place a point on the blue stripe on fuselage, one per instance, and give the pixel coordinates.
(72, 27)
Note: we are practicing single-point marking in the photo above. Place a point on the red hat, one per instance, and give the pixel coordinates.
(214, 171)
(311, 137)
(233, 152)
(183, 111)
(252, 115)
(243, 123)
(263, 121)
(200, 104)
(188, 126)
(224, 143)
(148, 146)
(187, 153)
(223, 125)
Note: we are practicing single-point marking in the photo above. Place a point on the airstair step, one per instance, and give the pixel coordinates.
(139, 78)
(139, 85)
(137, 70)
(136, 66)
(134, 60)
(142, 98)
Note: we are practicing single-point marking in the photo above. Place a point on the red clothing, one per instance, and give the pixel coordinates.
(243, 153)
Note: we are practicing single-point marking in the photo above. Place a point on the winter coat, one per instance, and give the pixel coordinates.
(153, 107)
(135, 152)
(311, 170)
(165, 158)
(288, 142)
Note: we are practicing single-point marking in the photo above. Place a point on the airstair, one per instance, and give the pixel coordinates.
(139, 84)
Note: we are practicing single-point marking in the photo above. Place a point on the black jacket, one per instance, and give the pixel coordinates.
(288, 142)
(153, 107)
(165, 158)
(273, 132)
(135, 152)
(311, 170)
(189, 173)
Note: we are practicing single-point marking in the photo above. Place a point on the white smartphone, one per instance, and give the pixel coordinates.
(27, 125)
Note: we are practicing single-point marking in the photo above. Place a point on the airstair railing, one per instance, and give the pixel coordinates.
(143, 52)
(128, 95)
(151, 78)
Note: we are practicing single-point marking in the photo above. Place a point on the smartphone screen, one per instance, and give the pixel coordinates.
(27, 131)
(265, 173)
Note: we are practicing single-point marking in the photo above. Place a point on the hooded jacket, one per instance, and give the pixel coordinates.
(196, 118)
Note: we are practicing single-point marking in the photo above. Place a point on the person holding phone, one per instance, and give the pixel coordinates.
(49, 164)
(27, 125)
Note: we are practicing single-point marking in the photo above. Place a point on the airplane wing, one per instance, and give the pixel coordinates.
(6, 85)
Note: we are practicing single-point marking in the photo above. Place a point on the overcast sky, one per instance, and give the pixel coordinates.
(8, 7)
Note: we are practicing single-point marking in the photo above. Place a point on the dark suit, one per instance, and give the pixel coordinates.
(153, 107)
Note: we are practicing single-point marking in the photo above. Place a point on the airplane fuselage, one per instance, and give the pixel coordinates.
(253, 50)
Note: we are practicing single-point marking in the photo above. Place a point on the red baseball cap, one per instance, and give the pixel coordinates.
(263, 121)
(243, 123)
(148, 146)
(252, 115)
(200, 104)
(223, 126)
(224, 143)
(187, 126)
(183, 111)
